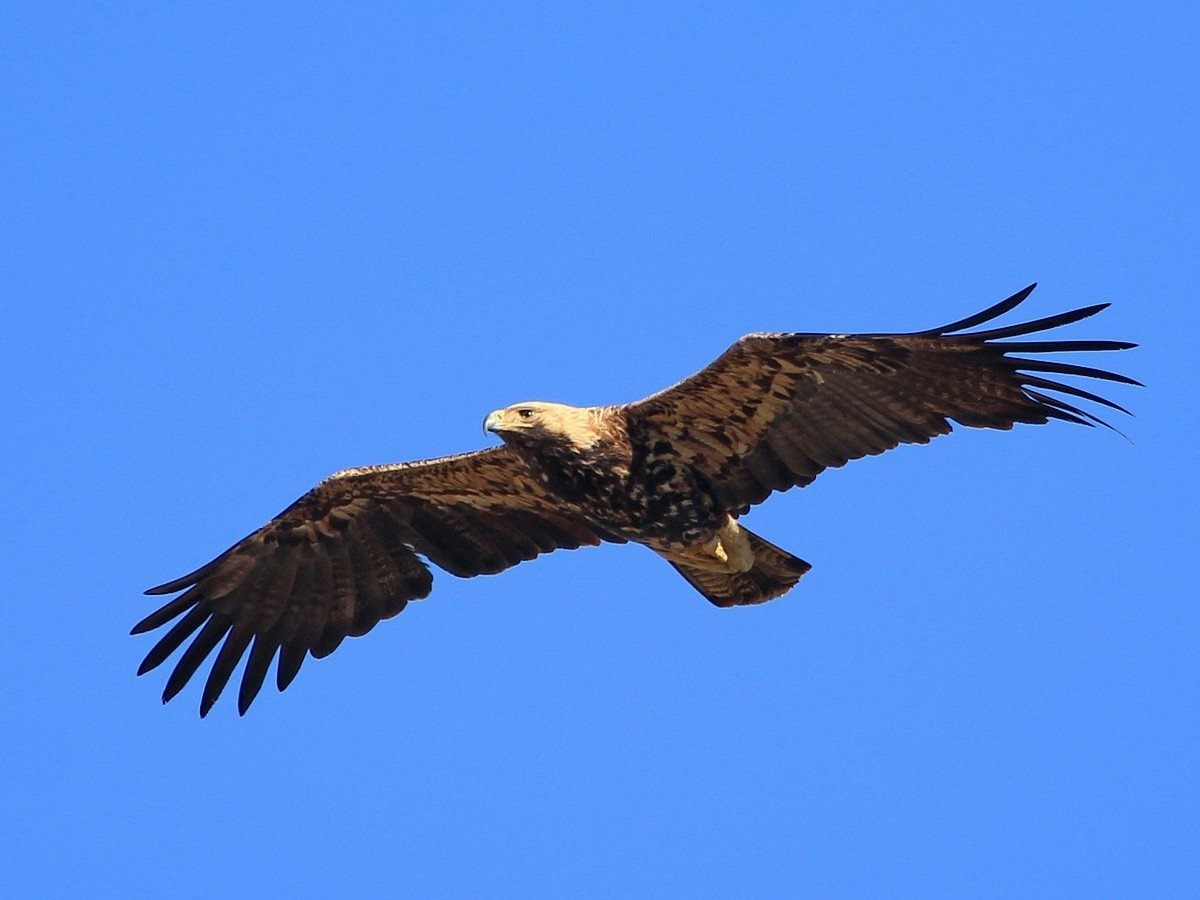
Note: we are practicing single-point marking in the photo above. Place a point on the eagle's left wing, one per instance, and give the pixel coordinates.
(345, 556)
(775, 410)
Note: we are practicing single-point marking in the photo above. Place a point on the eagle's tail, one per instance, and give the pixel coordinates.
(773, 574)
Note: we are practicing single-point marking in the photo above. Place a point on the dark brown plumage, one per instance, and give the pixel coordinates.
(673, 472)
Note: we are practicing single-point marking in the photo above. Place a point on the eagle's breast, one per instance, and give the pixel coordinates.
(670, 500)
(641, 488)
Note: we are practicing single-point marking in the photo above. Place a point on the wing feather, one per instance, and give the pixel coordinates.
(171, 641)
(227, 659)
(198, 650)
(775, 410)
(340, 602)
(262, 654)
(992, 312)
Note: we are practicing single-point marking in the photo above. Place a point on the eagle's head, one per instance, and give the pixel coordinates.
(534, 420)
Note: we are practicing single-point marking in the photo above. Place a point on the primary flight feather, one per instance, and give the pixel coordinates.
(673, 472)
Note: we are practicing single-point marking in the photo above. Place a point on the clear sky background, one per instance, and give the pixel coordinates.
(245, 245)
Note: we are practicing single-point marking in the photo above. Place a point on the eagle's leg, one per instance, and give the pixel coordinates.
(730, 547)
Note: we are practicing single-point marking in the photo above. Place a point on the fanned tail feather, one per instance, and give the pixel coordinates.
(774, 573)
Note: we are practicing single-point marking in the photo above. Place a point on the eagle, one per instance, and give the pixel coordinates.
(674, 472)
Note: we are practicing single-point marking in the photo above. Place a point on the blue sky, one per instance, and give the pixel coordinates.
(244, 246)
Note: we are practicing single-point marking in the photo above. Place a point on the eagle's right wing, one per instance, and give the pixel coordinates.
(344, 556)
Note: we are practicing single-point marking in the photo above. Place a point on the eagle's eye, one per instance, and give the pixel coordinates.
(525, 412)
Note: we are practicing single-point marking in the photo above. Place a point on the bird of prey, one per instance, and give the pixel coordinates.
(673, 472)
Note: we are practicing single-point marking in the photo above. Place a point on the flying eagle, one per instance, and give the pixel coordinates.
(674, 472)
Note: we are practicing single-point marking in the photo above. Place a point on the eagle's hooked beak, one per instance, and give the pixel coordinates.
(492, 422)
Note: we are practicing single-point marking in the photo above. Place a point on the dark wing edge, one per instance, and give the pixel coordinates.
(1033, 385)
(344, 557)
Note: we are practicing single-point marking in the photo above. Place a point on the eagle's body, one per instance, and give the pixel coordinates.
(673, 472)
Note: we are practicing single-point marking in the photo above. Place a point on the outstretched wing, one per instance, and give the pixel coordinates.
(775, 410)
(344, 556)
